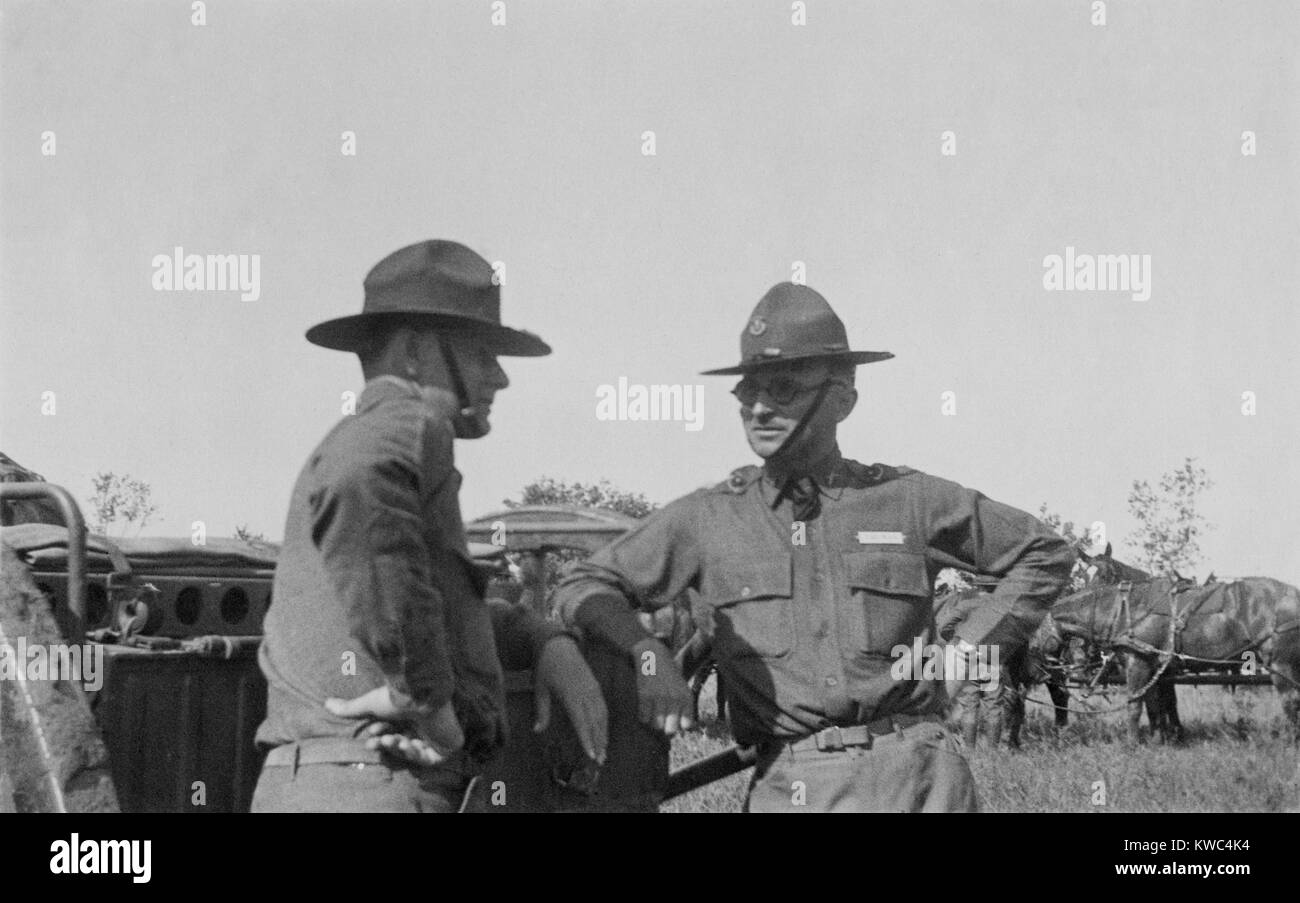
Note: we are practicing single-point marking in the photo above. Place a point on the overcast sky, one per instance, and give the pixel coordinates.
(773, 143)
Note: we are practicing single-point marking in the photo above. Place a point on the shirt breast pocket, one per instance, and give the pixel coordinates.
(753, 612)
(892, 587)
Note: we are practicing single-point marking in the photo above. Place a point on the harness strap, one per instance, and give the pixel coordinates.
(1121, 612)
(1175, 623)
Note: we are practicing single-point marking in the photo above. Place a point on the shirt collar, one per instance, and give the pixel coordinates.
(830, 473)
(387, 385)
(825, 470)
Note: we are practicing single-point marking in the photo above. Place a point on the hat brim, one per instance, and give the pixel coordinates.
(353, 332)
(851, 357)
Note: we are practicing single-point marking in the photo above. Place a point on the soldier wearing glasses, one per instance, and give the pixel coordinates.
(814, 571)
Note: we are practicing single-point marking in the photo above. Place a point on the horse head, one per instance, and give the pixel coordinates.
(1090, 614)
(1103, 568)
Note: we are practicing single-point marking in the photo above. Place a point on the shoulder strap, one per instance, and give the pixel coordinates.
(740, 479)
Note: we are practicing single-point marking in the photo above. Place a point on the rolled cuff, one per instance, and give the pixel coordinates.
(607, 617)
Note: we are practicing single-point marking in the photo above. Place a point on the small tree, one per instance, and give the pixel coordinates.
(549, 491)
(243, 532)
(1169, 524)
(119, 500)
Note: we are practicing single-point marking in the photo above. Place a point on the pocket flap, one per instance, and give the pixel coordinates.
(894, 572)
(759, 580)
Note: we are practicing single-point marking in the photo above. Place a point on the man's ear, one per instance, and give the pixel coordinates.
(411, 344)
(845, 398)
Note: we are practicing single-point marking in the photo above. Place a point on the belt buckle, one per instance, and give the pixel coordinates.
(825, 744)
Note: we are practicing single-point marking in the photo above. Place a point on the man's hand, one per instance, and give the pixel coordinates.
(562, 671)
(437, 736)
(664, 699)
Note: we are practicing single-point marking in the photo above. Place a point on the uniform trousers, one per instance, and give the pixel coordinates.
(921, 769)
(994, 698)
(343, 776)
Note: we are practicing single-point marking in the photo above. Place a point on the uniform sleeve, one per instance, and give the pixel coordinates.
(366, 524)
(644, 569)
(975, 533)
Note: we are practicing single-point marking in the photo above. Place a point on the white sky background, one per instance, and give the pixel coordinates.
(775, 143)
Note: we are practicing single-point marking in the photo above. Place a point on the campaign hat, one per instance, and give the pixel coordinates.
(440, 282)
(794, 323)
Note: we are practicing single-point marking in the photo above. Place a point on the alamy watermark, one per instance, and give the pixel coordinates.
(1098, 273)
(632, 401)
(930, 661)
(181, 272)
(103, 857)
(22, 661)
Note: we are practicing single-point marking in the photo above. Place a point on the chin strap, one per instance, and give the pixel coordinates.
(805, 419)
(466, 425)
(806, 506)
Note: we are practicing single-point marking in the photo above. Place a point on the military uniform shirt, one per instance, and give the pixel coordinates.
(374, 584)
(804, 619)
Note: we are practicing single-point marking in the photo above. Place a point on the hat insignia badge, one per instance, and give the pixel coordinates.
(757, 326)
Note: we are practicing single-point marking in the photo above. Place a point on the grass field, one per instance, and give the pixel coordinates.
(1240, 755)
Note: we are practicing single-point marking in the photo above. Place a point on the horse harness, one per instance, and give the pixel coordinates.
(1177, 623)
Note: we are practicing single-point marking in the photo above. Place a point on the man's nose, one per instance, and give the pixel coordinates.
(498, 375)
(761, 410)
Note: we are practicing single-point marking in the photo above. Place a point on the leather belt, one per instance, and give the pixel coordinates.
(323, 751)
(835, 739)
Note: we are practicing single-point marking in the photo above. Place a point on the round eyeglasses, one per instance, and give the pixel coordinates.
(780, 389)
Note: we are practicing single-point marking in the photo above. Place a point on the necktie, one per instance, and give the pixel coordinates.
(806, 498)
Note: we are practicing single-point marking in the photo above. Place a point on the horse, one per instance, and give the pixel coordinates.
(1104, 569)
(1165, 625)
(1051, 656)
(1081, 657)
